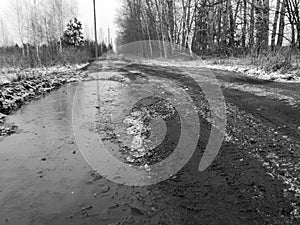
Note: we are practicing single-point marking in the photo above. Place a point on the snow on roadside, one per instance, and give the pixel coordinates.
(251, 71)
(8, 75)
(20, 86)
(247, 70)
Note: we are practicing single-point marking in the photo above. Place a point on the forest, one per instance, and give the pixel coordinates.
(215, 27)
(263, 30)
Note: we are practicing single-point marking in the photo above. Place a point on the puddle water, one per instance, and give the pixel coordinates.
(39, 166)
(45, 178)
(122, 130)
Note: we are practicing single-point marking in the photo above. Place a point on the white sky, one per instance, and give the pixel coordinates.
(106, 14)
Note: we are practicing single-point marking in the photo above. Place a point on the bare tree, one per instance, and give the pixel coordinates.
(214, 26)
(4, 40)
(19, 12)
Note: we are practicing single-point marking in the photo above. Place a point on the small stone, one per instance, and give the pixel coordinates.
(113, 205)
(147, 168)
(130, 159)
(266, 164)
(174, 177)
(71, 142)
(105, 190)
(136, 211)
(74, 152)
(2, 116)
(252, 141)
(43, 159)
(87, 208)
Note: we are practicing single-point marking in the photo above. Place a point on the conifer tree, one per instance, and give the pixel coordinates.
(73, 35)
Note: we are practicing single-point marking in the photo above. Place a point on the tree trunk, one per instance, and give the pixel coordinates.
(262, 26)
(291, 20)
(266, 20)
(252, 24)
(225, 26)
(183, 35)
(171, 23)
(244, 24)
(38, 54)
(259, 26)
(231, 25)
(275, 23)
(159, 43)
(281, 24)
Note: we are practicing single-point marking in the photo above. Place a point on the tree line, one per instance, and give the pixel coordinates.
(48, 32)
(223, 27)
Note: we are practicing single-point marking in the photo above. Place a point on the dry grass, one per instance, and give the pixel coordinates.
(49, 55)
(283, 60)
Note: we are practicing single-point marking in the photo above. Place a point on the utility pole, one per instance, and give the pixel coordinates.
(95, 26)
(108, 38)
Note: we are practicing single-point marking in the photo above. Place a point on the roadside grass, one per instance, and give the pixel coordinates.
(282, 65)
(15, 58)
(283, 61)
(12, 75)
(17, 64)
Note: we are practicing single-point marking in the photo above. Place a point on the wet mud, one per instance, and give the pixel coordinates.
(44, 178)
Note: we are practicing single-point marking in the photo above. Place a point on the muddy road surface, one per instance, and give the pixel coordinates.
(47, 174)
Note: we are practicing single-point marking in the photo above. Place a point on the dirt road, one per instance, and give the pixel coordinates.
(44, 178)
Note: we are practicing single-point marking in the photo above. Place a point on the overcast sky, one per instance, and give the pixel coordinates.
(106, 13)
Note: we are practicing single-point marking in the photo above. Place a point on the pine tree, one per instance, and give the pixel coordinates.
(73, 35)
